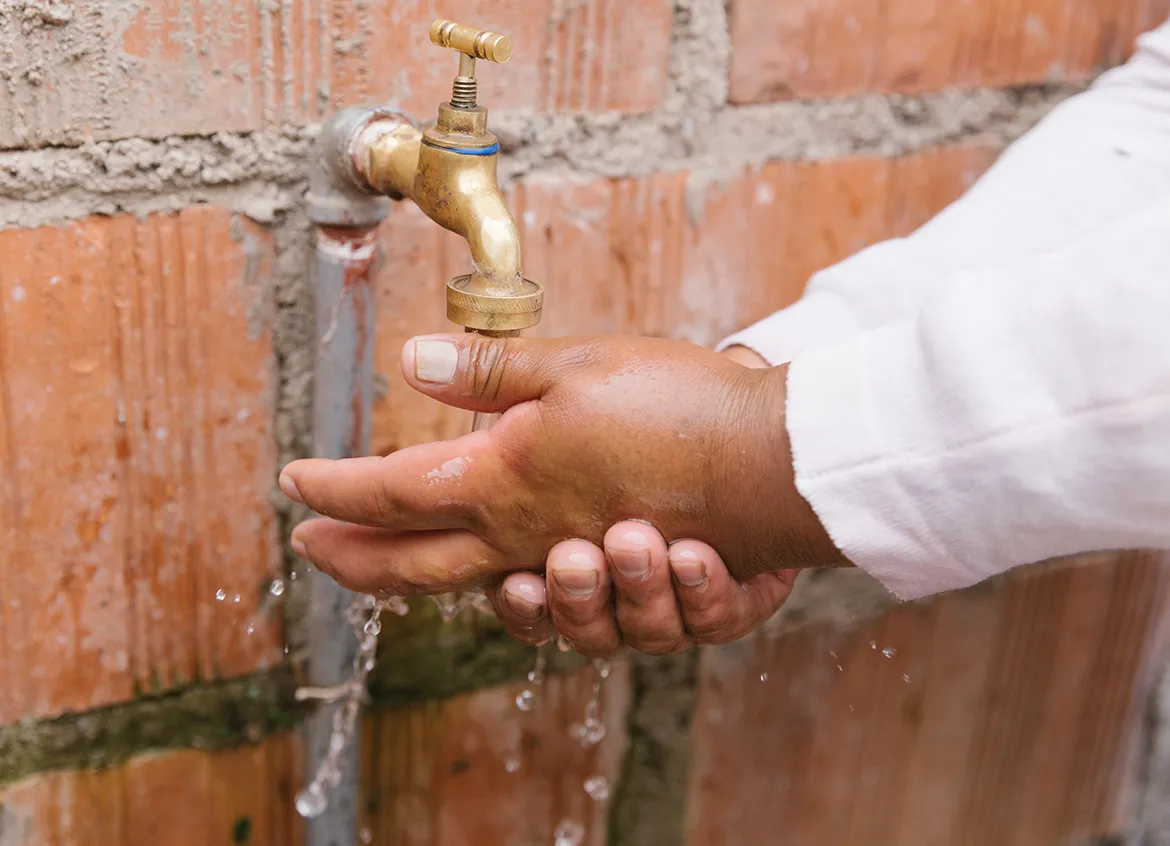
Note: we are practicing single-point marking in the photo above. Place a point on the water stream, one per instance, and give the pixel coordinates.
(365, 615)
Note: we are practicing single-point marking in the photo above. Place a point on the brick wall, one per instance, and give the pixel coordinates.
(678, 169)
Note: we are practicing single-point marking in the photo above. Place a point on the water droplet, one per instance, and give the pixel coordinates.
(889, 652)
(832, 654)
(873, 644)
(236, 599)
(906, 679)
(292, 576)
(569, 833)
(366, 836)
(851, 708)
(448, 605)
(763, 676)
(511, 765)
(525, 699)
(840, 669)
(286, 649)
(220, 595)
(564, 644)
(277, 587)
(373, 628)
(603, 667)
(396, 605)
(311, 802)
(598, 788)
(589, 733)
(251, 628)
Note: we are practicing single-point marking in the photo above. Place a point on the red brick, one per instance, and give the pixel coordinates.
(1016, 726)
(184, 798)
(137, 388)
(809, 48)
(437, 773)
(176, 67)
(623, 256)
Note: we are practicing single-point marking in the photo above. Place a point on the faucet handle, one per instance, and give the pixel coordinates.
(476, 43)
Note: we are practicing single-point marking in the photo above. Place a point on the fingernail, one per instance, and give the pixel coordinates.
(525, 606)
(289, 488)
(580, 583)
(687, 568)
(298, 546)
(633, 563)
(435, 361)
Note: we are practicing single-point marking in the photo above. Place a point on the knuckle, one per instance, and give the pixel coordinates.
(714, 625)
(487, 364)
(656, 645)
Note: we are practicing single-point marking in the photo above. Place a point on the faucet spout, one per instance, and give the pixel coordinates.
(459, 192)
(452, 178)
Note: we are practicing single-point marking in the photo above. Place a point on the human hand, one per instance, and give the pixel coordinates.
(594, 432)
(637, 591)
(651, 599)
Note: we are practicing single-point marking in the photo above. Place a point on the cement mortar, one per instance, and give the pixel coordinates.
(259, 174)
(206, 716)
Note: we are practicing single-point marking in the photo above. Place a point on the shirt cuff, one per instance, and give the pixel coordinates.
(816, 319)
(842, 458)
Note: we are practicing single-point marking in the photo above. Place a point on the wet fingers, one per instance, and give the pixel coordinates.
(579, 594)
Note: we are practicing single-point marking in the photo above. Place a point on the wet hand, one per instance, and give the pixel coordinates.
(685, 598)
(594, 432)
(637, 591)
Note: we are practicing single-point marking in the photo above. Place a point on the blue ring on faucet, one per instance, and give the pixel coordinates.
(471, 151)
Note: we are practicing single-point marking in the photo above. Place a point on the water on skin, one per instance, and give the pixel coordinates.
(569, 833)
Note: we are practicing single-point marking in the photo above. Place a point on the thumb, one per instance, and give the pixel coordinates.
(479, 373)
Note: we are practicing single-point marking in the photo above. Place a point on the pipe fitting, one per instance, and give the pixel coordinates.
(339, 193)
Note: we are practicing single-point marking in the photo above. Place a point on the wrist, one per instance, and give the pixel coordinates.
(775, 526)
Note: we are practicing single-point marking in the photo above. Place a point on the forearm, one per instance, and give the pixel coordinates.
(1023, 414)
(1098, 157)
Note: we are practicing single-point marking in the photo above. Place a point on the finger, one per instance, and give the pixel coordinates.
(521, 604)
(716, 608)
(579, 596)
(401, 564)
(479, 373)
(429, 486)
(646, 607)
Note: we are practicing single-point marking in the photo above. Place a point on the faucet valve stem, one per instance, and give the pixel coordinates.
(472, 44)
(466, 88)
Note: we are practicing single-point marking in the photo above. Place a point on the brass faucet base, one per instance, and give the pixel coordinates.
(516, 308)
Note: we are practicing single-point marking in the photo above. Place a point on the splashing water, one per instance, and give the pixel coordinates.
(598, 788)
(220, 595)
(276, 588)
(569, 833)
(591, 731)
(312, 801)
(449, 605)
(889, 652)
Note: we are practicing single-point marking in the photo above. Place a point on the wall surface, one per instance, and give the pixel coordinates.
(678, 168)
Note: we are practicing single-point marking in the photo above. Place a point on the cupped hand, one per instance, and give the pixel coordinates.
(639, 592)
(594, 432)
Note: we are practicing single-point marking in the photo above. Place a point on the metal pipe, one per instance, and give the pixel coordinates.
(346, 220)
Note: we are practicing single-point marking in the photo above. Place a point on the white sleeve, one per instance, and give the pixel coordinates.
(1023, 414)
(1094, 159)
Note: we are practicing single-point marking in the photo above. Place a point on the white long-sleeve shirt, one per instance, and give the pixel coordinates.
(994, 389)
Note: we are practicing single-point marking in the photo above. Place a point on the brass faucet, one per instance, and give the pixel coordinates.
(449, 171)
